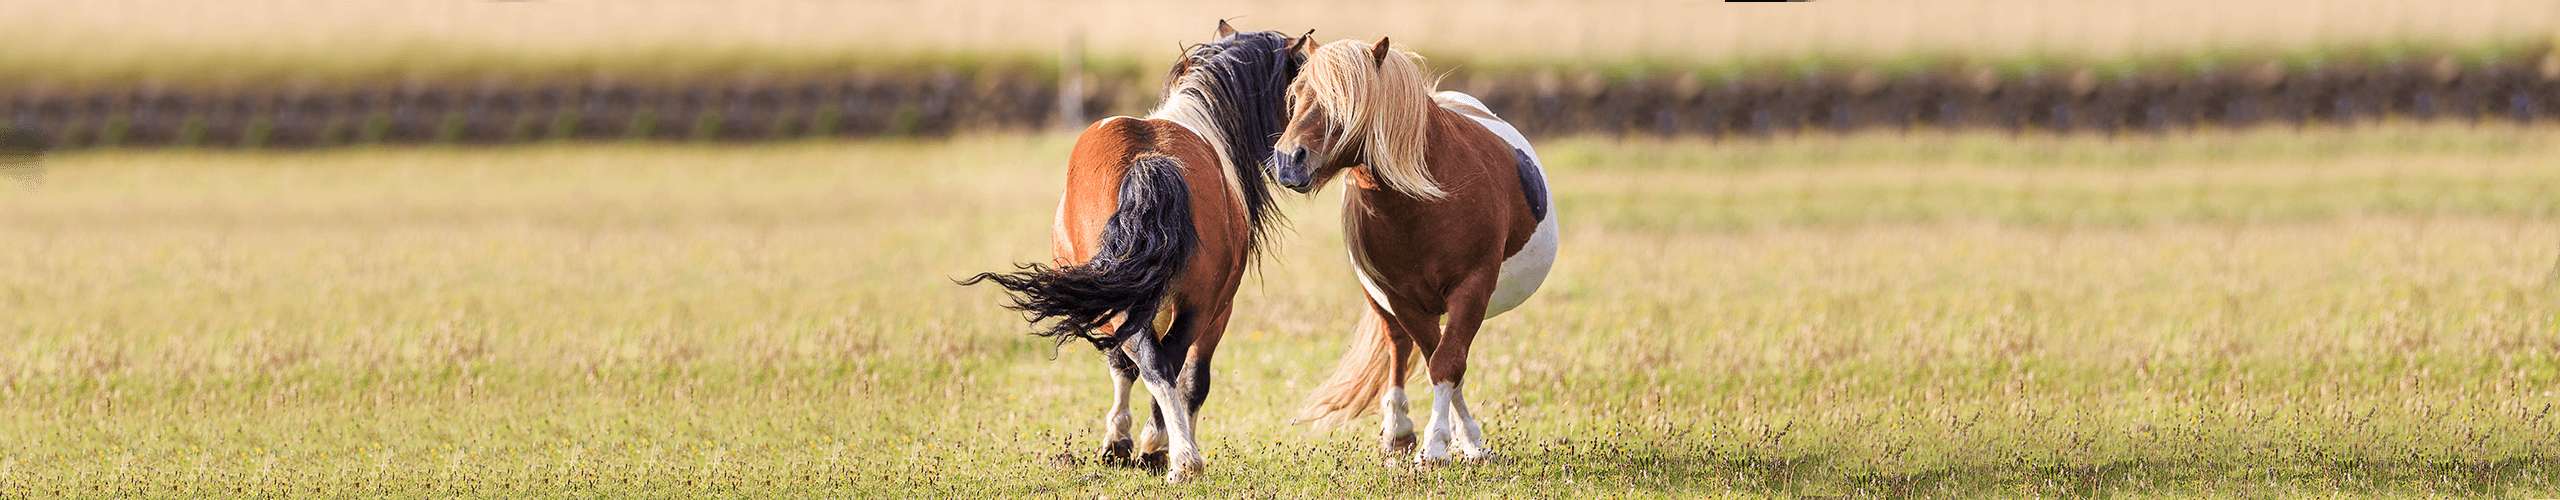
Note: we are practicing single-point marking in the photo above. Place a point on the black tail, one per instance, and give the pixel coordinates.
(1143, 247)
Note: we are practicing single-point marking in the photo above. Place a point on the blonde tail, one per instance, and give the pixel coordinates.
(1365, 372)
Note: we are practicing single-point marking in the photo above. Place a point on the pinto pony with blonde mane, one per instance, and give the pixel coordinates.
(1447, 218)
(1160, 218)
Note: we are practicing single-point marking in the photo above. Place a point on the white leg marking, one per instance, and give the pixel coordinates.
(1468, 435)
(1182, 458)
(1392, 420)
(1435, 437)
(1115, 425)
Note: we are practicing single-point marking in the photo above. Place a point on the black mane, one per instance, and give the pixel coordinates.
(1244, 78)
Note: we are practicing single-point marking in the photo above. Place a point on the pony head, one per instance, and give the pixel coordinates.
(1357, 104)
(1233, 92)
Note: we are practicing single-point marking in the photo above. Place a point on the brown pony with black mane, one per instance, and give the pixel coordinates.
(1447, 217)
(1160, 218)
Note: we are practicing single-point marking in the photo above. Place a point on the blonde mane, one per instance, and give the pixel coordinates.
(1382, 105)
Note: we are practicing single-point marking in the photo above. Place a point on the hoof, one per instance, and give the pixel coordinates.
(1153, 462)
(1118, 454)
(1183, 473)
(1481, 457)
(1399, 445)
(1426, 462)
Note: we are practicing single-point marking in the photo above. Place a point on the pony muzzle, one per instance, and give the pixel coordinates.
(1290, 170)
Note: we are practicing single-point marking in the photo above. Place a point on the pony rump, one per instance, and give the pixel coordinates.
(1381, 104)
(1144, 246)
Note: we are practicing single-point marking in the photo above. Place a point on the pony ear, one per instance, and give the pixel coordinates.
(1224, 30)
(1378, 54)
(1306, 44)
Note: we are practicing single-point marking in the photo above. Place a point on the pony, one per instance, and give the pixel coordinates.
(1447, 217)
(1160, 218)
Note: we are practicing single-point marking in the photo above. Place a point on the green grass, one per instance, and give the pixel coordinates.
(2338, 311)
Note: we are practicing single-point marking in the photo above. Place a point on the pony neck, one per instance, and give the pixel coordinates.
(1191, 107)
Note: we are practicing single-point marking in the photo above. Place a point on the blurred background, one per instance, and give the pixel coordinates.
(270, 73)
(1836, 248)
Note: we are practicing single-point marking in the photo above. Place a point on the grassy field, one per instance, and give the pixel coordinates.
(2276, 312)
(264, 43)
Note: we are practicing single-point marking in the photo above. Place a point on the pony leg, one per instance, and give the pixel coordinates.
(1116, 448)
(1155, 370)
(1467, 434)
(1151, 439)
(1396, 429)
(1413, 332)
(1151, 445)
(1436, 437)
(1453, 425)
(1196, 340)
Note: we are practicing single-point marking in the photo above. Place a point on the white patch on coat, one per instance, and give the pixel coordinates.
(1523, 271)
(1360, 269)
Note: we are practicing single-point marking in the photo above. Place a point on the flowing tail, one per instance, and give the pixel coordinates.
(1144, 246)
(1366, 371)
